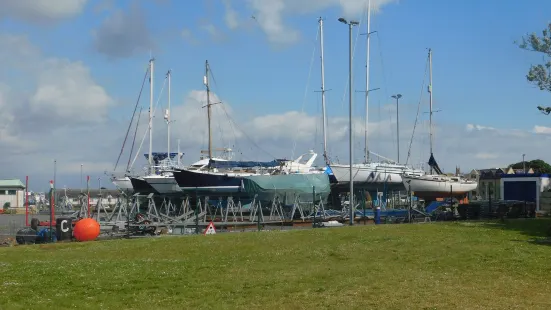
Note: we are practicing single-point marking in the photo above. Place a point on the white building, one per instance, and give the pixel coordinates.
(524, 187)
(13, 192)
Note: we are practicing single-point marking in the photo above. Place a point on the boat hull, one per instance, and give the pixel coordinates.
(123, 183)
(431, 187)
(288, 187)
(372, 175)
(207, 182)
(141, 186)
(163, 184)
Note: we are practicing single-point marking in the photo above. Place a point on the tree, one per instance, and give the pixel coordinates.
(540, 74)
(6, 206)
(537, 164)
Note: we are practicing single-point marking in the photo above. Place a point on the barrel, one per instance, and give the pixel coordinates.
(64, 228)
(26, 235)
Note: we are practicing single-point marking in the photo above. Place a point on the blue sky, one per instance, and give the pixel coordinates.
(479, 74)
(474, 56)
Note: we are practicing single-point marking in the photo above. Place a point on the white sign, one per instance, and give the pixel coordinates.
(64, 227)
(210, 229)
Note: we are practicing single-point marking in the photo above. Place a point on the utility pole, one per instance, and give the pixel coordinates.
(430, 103)
(350, 107)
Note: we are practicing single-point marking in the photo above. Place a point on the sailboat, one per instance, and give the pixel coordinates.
(432, 186)
(162, 180)
(138, 183)
(220, 175)
(370, 174)
(157, 161)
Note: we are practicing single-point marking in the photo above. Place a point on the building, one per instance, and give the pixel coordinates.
(524, 187)
(12, 192)
(489, 183)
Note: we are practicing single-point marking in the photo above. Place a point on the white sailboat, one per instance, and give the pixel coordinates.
(371, 172)
(432, 186)
(162, 180)
(139, 184)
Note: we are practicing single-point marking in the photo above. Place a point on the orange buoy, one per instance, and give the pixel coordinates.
(86, 230)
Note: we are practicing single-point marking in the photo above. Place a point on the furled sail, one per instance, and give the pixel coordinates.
(432, 163)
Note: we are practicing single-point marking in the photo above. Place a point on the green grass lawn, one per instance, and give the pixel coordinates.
(424, 266)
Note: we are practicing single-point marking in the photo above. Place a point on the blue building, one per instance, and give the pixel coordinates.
(524, 187)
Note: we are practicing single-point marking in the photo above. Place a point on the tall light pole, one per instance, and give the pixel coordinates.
(350, 106)
(397, 97)
(523, 163)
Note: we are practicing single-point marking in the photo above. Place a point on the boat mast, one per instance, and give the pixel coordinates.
(206, 82)
(430, 102)
(167, 115)
(151, 66)
(323, 111)
(367, 80)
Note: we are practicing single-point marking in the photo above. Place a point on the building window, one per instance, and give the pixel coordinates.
(2, 192)
(12, 192)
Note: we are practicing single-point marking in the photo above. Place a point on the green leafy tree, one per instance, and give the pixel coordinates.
(537, 164)
(540, 74)
(6, 205)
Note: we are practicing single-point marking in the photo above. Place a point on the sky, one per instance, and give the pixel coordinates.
(72, 71)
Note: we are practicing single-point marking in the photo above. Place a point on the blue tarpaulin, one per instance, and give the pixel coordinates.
(157, 157)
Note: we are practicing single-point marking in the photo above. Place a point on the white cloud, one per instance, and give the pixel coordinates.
(41, 11)
(471, 127)
(55, 109)
(542, 130)
(231, 17)
(68, 88)
(271, 15)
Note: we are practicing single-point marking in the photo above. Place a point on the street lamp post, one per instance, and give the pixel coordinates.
(351, 145)
(397, 97)
(523, 163)
(81, 177)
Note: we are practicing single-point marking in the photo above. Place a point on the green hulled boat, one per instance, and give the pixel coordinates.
(288, 187)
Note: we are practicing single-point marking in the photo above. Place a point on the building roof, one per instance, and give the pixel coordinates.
(12, 183)
(493, 173)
